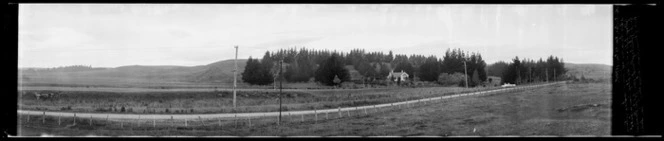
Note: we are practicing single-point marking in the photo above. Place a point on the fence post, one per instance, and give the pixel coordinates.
(29, 117)
(302, 117)
(249, 121)
(106, 118)
(365, 111)
(348, 113)
(139, 120)
(185, 122)
(339, 112)
(326, 113)
(121, 124)
(202, 122)
(59, 119)
(90, 120)
(315, 116)
(219, 121)
(154, 123)
(74, 119)
(43, 117)
(375, 108)
(235, 120)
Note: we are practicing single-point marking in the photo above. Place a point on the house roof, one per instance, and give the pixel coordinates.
(398, 73)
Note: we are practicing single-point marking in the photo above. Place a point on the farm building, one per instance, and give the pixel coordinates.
(396, 76)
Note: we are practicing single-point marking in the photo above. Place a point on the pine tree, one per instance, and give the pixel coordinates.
(476, 79)
(256, 74)
(331, 67)
(430, 70)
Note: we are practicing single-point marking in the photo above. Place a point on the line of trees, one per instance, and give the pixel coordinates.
(528, 70)
(306, 65)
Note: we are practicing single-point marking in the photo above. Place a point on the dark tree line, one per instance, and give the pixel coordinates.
(527, 70)
(305, 65)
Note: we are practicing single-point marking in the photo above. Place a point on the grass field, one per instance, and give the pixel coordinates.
(566, 109)
(220, 102)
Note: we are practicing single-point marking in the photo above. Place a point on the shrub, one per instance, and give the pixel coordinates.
(166, 110)
(192, 110)
(451, 79)
(122, 109)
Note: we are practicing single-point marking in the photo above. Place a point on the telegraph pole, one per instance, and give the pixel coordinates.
(466, 71)
(554, 74)
(547, 74)
(281, 64)
(235, 81)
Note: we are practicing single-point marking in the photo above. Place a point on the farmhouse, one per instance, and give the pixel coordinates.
(396, 76)
(44, 96)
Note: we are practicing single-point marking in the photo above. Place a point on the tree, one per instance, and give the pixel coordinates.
(511, 74)
(451, 79)
(367, 70)
(497, 69)
(384, 70)
(256, 74)
(389, 58)
(331, 67)
(476, 79)
(430, 70)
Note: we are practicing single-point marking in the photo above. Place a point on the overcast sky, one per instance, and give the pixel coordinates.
(53, 35)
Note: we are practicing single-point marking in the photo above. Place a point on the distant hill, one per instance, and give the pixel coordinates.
(593, 71)
(219, 72)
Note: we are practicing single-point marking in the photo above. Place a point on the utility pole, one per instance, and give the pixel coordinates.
(235, 81)
(554, 74)
(547, 74)
(466, 71)
(281, 63)
(518, 76)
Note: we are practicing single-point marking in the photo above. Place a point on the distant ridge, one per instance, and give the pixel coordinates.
(220, 71)
(593, 71)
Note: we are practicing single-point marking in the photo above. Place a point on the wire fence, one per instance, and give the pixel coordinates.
(232, 122)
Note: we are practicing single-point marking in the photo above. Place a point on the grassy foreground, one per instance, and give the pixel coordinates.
(187, 102)
(566, 109)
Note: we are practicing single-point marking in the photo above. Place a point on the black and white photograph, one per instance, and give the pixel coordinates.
(330, 70)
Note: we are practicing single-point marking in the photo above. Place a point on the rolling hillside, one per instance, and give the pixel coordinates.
(592, 71)
(217, 72)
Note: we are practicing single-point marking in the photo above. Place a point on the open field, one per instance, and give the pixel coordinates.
(182, 102)
(565, 109)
